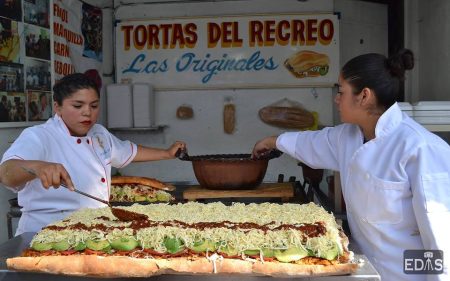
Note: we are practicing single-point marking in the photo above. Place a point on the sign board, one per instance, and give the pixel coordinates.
(77, 34)
(254, 51)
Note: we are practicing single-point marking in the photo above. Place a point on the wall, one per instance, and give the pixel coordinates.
(204, 133)
(434, 34)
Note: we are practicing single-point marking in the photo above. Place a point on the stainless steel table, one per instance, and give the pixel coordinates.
(15, 246)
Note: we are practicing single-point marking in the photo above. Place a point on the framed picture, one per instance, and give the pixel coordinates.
(12, 107)
(37, 42)
(39, 106)
(36, 12)
(9, 40)
(11, 9)
(11, 77)
(37, 75)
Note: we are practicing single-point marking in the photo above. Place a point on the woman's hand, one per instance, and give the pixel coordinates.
(15, 173)
(52, 175)
(263, 146)
(172, 150)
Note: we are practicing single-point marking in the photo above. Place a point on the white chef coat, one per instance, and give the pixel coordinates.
(87, 159)
(396, 187)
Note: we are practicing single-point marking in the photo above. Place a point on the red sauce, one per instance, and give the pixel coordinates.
(308, 230)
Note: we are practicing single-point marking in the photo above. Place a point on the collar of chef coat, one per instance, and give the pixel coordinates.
(62, 126)
(388, 121)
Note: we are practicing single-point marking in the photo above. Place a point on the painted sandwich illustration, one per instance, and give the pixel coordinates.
(308, 64)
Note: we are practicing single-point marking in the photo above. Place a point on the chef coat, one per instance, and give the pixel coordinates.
(87, 159)
(396, 186)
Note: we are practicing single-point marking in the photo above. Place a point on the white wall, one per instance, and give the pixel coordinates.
(430, 37)
(204, 133)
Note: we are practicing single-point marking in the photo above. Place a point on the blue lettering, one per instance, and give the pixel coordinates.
(270, 65)
(151, 67)
(137, 59)
(187, 58)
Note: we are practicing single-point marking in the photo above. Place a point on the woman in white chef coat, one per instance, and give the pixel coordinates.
(69, 148)
(395, 174)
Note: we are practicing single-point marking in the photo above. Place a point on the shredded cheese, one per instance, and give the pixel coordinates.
(193, 212)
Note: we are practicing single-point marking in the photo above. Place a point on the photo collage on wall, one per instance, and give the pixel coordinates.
(25, 68)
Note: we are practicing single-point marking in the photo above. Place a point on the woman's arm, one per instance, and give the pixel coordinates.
(13, 174)
(151, 154)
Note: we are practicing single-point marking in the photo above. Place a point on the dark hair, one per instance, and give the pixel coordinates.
(70, 84)
(378, 73)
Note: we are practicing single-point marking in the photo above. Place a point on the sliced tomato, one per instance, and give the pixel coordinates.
(68, 252)
(88, 251)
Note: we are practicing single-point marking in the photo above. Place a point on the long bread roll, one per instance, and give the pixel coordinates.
(142, 180)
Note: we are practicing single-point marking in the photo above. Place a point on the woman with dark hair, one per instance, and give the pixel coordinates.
(395, 174)
(71, 149)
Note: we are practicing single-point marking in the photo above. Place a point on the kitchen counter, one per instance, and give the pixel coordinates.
(14, 247)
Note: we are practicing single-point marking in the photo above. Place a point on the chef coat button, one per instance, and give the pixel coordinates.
(78, 141)
(363, 220)
(87, 141)
(103, 180)
(367, 176)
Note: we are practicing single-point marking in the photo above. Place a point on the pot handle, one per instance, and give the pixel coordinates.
(274, 153)
(182, 155)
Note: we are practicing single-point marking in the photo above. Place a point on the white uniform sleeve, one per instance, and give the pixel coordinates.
(122, 152)
(28, 146)
(429, 172)
(317, 149)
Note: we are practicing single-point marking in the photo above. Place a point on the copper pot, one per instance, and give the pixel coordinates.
(230, 171)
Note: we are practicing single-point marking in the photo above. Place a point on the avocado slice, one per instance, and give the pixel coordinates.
(61, 246)
(203, 246)
(228, 250)
(98, 245)
(331, 253)
(126, 243)
(291, 254)
(39, 246)
(252, 252)
(139, 198)
(173, 245)
(152, 199)
(163, 196)
(80, 246)
(268, 253)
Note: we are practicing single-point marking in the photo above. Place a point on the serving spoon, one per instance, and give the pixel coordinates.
(121, 214)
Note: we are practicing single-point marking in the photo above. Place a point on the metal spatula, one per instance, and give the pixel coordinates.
(121, 214)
